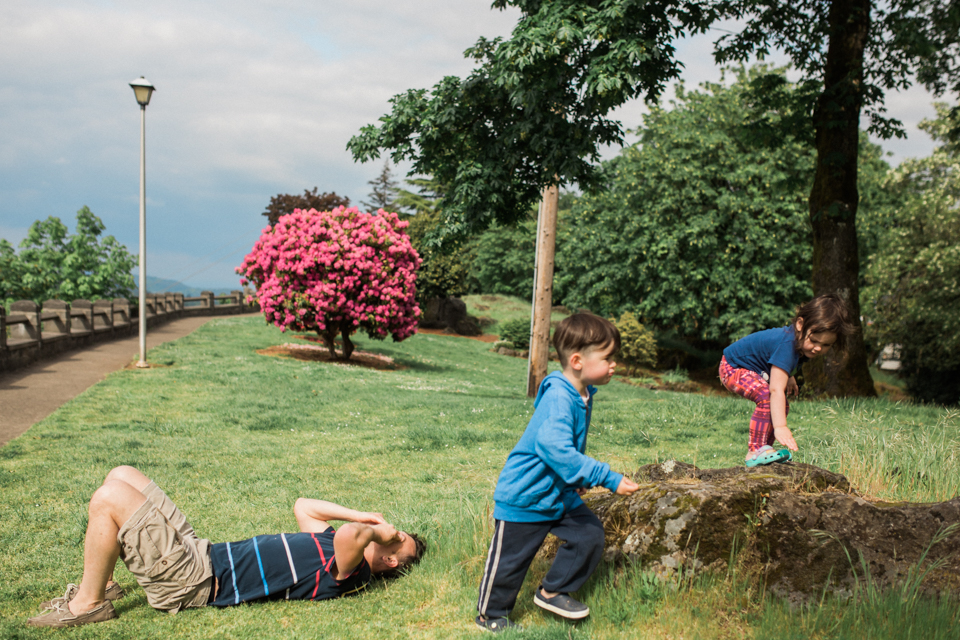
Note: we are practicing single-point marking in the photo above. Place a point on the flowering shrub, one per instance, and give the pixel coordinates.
(336, 272)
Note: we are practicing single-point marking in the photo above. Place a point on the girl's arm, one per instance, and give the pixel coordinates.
(778, 407)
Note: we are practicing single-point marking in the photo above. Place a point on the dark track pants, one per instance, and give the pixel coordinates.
(516, 543)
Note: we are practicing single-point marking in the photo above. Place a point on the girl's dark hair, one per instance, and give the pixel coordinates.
(583, 330)
(826, 313)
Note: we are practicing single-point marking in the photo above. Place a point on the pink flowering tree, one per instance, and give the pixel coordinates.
(335, 272)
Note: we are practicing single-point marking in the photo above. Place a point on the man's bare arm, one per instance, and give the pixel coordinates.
(351, 539)
(313, 516)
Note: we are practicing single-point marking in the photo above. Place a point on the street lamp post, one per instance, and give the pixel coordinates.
(142, 89)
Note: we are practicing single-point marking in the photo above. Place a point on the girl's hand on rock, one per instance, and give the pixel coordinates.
(785, 437)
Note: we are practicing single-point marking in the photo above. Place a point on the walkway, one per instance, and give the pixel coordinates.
(30, 394)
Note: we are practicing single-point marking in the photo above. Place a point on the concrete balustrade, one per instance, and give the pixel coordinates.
(56, 320)
(24, 322)
(81, 314)
(102, 315)
(30, 332)
(121, 312)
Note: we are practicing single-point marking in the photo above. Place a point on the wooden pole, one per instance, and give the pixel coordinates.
(543, 290)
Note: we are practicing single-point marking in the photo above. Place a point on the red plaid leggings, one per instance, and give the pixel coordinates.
(751, 386)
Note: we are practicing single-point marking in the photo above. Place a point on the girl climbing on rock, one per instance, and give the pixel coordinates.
(761, 367)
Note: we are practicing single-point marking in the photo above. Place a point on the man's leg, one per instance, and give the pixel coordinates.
(110, 507)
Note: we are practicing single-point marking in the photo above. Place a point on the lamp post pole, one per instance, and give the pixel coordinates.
(142, 90)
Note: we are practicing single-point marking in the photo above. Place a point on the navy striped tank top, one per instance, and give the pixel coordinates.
(291, 566)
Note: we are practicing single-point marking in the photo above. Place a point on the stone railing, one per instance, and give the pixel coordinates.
(30, 332)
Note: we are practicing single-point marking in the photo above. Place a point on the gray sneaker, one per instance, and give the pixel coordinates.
(113, 592)
(60, 616)
(562, 605)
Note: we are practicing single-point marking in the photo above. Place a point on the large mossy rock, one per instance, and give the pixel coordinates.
(802, 529)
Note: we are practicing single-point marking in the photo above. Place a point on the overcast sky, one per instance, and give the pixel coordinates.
(253, 98)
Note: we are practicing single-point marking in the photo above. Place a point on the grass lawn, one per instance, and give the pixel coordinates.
(235, 437)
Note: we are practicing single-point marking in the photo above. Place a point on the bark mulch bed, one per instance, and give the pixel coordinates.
(319, 353)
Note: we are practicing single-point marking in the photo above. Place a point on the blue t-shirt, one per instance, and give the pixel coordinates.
(290, 566)
(762, 350)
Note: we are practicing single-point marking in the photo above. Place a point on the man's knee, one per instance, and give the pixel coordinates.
(114, 496)
(124, 473)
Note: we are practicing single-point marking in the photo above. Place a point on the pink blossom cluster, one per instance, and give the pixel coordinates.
(316, 269)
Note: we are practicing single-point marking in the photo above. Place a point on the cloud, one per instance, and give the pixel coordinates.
(253, 98)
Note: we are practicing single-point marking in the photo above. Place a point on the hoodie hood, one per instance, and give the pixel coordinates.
(557, 380)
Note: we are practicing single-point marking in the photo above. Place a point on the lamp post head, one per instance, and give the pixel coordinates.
(142, 89)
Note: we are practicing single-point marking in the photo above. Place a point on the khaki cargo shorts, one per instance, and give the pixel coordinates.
(167, 558)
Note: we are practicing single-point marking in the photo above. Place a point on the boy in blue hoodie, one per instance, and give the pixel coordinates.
(539, 489)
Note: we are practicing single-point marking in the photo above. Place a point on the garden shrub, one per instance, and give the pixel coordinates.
(638, 346)
(336, 272)
(517, 332)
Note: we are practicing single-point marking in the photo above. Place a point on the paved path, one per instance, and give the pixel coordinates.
(30, 394)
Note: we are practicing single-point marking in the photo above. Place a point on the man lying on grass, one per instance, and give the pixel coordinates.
(133, 519)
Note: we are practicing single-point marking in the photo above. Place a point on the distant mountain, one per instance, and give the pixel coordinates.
(162, 285)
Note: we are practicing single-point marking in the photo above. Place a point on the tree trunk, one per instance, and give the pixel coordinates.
(834, 197)
(345, 328)
(327, 335)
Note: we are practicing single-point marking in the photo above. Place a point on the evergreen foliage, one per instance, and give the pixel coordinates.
(502, 259)
(516, 331)
(445, 269)
(383, 193)
(638, 346)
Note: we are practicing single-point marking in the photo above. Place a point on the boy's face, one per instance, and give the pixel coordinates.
(595, 364)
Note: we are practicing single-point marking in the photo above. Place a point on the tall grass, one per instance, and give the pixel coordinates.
(888, 455)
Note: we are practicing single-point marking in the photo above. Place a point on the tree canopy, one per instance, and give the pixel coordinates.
(534, 112)
(444, 270)
(284, 203)
(53, 264)
(702, 227)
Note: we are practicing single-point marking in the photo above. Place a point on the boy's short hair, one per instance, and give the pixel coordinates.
(582, 331)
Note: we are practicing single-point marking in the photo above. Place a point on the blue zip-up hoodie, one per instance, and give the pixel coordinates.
(540, 479)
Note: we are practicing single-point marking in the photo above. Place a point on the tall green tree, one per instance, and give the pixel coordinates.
(53, 264)
(912, 297)
(701, 229)
(535, 110)
(10, 277)
(849, 52)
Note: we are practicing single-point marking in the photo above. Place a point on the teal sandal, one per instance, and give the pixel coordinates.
(769, 455)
